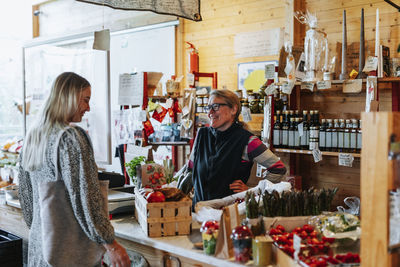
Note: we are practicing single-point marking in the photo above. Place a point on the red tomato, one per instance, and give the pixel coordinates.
(308, 228)
(303, 235)
(156, 196)
(327, 239)
(297, 230)
(274, 231)
(280, 227)
(156, 175)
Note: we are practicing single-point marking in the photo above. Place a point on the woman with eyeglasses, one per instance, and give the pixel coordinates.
(223, 154)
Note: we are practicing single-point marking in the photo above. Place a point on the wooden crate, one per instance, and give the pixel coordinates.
(165, 218)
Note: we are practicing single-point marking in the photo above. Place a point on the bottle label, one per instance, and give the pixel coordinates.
(277, 137)
(335, 139)
(285, 137)
(353, 140)
(322, 139)
(300, 129)
(346, 141)
(296, 139)
(291, 139)
(328, 140)
(340, 140)
(303, 138)
(359, 140)
(313, 144)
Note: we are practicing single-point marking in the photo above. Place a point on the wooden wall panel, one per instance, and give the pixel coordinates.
(214, 36)
(329, 14)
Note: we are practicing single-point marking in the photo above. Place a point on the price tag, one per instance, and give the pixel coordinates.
(352, 86)
(269, 71)
(300, 129)
(246, 114)
(185, 111)
(307, 86)
(169, 103)
(270, 90)
(296, 246)
(317, 155)
(260, 170)
(346, 160)
(321, 85)
(371, 64)
(287, 88)
(190, 79)
(143, 115)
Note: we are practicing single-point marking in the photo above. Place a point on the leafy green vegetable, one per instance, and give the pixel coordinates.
(131, 167)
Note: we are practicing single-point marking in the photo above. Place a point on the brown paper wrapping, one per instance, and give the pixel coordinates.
(229, 220)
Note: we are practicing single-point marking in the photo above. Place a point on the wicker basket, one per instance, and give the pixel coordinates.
(165, 218)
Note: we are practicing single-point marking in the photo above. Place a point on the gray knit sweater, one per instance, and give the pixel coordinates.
(78, 170)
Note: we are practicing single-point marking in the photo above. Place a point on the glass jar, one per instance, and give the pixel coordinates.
(251, 96)
(261, 247)
(205, 99)
(242, 242)
(200, 108)
(209, 233)
(200, 100)
(261, 106)
(254, 106)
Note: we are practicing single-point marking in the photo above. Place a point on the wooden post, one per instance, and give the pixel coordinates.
(376, 182)
(35, 22)
(299, 29)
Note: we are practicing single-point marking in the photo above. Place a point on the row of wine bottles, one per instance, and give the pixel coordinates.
(293, 131)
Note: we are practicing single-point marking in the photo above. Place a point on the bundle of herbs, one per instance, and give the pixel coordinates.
(297, 203)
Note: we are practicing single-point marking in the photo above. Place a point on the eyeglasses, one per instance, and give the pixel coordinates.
(214, 106)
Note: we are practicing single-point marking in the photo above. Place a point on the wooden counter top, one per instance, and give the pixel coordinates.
(131, 236)
(128, 228)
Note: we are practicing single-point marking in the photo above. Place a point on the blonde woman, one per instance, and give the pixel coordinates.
(68, 102)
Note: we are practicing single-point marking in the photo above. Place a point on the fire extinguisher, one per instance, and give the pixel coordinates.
(193, 59)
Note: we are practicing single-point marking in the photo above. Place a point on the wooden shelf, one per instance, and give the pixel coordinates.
(180, 143)
(324, 153)
(385, 80)
(163, 97)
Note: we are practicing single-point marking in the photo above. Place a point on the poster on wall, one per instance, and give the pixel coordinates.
(251, 75)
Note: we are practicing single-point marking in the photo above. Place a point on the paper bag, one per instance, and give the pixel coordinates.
(229, 220)
(151, 175)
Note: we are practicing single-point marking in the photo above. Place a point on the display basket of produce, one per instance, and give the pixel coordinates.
(162, 216)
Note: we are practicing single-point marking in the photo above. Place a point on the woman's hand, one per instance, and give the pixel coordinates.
(117, 255)
(238, 186)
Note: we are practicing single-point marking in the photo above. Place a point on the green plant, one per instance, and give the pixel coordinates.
(131, 167)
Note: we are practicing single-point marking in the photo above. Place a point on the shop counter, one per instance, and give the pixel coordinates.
(161, 251)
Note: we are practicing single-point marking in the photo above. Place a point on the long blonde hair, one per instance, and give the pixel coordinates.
(60, 106)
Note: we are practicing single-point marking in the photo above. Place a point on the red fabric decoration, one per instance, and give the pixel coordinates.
(176, 107)
(159, 116)
(171, 112)
(148, 128)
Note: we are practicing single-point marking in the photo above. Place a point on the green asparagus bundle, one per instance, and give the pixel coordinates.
(252, 205)
(297, 203)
